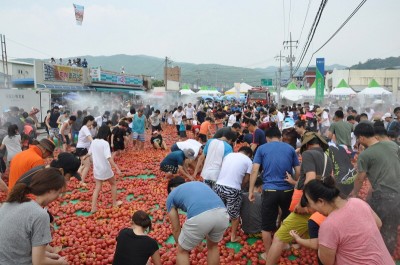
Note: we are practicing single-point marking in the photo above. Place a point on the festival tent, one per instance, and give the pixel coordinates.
(244, 88)
(292, 93)
(210, 91)
(342, 89)
(374, 89)
(186, 92)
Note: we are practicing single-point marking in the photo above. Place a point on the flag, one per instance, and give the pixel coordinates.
(78, 14)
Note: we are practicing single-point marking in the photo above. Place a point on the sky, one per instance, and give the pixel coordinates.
(238, 33)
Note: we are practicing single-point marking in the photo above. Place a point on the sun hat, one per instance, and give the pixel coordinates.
(48, 145)
(318, 111)
(308, 137)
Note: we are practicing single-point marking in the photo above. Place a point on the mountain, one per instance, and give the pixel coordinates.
(197, 74)
(390, 62)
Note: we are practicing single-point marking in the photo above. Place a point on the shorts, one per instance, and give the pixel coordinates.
(169, 168)
(211, 223)
(156, 128)
(182, 134)
(232, 199)
(81, 151)
(203, 137)
(210, 183)
(54, 132)
(272, 200)
(294, 221)
(67, 140)
(138, 136)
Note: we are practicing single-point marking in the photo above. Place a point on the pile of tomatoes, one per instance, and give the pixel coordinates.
(87, 238)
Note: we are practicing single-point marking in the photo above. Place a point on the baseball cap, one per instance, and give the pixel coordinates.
(175, 182)
(386, 115)
(69, 163)
(189, 153)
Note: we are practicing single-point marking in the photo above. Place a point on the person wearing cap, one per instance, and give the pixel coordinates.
(207, 217)
(28, 159)
(379, 162)
(341, 130)
(323, 120)
(289, 134)
(174, 163)
(277, 160)
(315, 164)
(157, 142)
(213, 154)
(392, 126)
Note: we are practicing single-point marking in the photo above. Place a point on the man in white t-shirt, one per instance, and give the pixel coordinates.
(189, 111)
(235, 170)
(232, 118)
(177, 118)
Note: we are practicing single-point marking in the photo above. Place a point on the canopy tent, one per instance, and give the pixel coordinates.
(244, 88)
(292, 93)
(210, 91)
(207, 98)
(342, 89)
(186, 92)
(374, 89)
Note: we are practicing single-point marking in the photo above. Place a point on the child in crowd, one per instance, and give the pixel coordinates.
(102, 162)
(182, 129)
(134, 246)
(205, 130)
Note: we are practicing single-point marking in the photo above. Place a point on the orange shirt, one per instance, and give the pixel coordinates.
(204, 127)
(24, 161)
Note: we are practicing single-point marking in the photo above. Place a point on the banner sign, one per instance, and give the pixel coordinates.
(320, 81)
(60, 73)
(266, 82)
(101, 76)
(79, 14)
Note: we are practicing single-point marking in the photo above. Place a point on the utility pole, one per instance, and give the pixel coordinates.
(4, 61)
(290, 59)
(166, 73)
(278, 88)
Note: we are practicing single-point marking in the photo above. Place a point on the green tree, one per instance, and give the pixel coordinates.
(158, 83)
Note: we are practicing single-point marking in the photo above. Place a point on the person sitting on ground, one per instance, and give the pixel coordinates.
(134, 246)
(24, 222)
(235, 172)
(250, 212)
(336, 241)
(102, 162)
(206, 218)
(175, 164)
(157, 142)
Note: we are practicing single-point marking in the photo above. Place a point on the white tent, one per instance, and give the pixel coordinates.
(202, 92)
(186, 92)
(374, 89)
(292, 93)
(342, 90)
(244, 88)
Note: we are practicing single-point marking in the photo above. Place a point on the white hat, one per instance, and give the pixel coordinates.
(386, 115)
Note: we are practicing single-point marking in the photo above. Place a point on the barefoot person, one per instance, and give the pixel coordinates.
(102, 162)
(206, 217)
(235, 172)
(82, 147)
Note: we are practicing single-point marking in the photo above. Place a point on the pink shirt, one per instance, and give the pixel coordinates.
(353, 232)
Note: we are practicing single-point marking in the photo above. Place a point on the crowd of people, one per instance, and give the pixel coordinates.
(287, 174)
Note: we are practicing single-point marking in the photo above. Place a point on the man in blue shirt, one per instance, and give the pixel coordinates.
(174, 163)
(206, 216)
(277, 160)
(258, 135)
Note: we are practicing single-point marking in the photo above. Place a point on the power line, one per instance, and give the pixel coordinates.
(311, 33)
(284, 20)
(290, 11)
(305, 19)
(33, 49)
(337, 31)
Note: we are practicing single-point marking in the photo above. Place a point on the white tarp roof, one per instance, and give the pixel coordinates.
(342, 91)
(374, 91)
(244, 88)
(293, 95)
